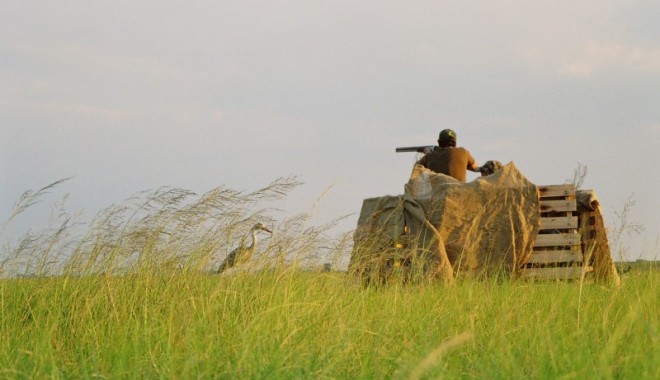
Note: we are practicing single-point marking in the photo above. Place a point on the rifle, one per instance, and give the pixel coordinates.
(418, 149)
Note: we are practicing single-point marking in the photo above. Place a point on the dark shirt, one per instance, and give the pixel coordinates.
(449, 160)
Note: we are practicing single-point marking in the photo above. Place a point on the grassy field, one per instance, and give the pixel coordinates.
(130, 296)
(288, 324)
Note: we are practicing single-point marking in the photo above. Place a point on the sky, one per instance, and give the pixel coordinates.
(125, 96)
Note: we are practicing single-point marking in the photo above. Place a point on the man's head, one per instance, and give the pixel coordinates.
(447, 138)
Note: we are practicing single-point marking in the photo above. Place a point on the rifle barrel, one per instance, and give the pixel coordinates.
(419, 148)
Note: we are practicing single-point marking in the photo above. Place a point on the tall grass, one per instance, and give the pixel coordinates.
(291, 324)
(135, 300)
(169, 228)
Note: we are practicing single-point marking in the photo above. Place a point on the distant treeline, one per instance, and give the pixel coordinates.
(639, 265)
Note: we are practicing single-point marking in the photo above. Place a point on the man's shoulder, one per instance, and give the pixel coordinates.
(460, 150)
(463, 152)
(450, 150)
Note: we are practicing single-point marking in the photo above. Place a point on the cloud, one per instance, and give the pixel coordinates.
(652, 132)
(595, 57)
(241, 128)
(77, 110)
(576, 69)
(80, 54)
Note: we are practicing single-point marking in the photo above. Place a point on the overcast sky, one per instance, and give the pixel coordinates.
(133, 95)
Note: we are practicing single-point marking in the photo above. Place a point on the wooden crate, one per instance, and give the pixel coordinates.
(558, 250)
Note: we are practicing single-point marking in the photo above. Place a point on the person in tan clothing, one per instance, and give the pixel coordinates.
(448, 159)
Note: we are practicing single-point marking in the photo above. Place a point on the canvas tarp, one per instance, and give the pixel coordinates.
(485, 225)
(597, 247)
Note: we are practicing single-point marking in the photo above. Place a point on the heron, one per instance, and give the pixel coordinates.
(243, 253)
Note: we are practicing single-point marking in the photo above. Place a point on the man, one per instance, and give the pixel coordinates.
(447, 159)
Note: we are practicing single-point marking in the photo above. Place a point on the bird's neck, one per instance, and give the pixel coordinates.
(254, 238)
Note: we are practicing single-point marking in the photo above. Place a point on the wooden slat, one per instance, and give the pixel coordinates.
(548, 257)
(558, 205)
(558, 223)
(556, 190)
(555, 240)
(565, 273)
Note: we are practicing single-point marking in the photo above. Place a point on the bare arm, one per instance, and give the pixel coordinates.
(472, 164)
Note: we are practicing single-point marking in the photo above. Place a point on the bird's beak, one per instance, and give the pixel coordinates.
(266, 229)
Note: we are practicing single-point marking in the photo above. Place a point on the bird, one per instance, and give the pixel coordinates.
(243, 253)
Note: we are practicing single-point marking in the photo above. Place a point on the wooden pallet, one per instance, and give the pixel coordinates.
(558, 252)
